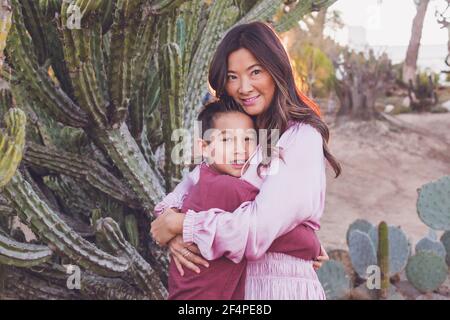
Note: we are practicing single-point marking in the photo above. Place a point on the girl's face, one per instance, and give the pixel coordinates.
(249, 83)
(231, 142)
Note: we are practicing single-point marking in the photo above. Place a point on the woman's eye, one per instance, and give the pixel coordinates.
(231, 77)
(256, 72)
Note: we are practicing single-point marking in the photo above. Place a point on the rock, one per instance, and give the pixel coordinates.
(406, 102)
(407, 290)
(446, 105)
(444, 289)
(344, 257)
(439, 109)
(363, 293)
(432, 296)
(389, 108)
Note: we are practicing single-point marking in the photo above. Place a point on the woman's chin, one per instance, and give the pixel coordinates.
(253, 110)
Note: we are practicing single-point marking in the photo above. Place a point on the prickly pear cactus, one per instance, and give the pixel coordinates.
(431, 243)
(362, 252)
(426, 271)
(445, 240)
(361, 225)
(433, 204)
(399, 248)
(334, 280)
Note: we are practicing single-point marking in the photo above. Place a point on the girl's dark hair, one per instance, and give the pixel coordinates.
(289, 103)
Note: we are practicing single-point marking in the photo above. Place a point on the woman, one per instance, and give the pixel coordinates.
(252, 68)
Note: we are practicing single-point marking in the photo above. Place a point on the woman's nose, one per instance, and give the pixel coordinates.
(245, 86)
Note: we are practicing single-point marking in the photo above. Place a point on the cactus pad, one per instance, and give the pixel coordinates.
(334, 280)
(362, 252)
(433, 204)
(426, 271)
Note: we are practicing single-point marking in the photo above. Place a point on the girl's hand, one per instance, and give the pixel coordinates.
(321, 259)
(185, 254)
(168, 225)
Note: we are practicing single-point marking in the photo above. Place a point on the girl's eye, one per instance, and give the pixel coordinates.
(226, 139)
(249, 139)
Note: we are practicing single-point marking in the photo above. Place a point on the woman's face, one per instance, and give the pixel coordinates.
(249, 83)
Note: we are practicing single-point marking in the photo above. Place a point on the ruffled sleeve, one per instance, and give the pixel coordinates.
(176, 197)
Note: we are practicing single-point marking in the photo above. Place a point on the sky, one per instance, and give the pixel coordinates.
(388, 25)
(388, 22)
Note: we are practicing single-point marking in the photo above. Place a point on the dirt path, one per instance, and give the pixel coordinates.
(381, 173)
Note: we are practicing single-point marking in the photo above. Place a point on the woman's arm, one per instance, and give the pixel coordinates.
(294, 193)
(176, 197)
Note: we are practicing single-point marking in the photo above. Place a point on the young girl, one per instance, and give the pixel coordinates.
(230, 140)
(252, 69)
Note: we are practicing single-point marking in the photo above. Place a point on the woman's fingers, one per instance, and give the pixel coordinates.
(188, 264)
(317, 265)
(196, 256)
(197, 259)
(194, 248)
(184, 252)
(323, 258)
(179, 266)
(323, 254)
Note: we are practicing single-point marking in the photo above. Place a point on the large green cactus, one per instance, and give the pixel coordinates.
(12, 142)
(103, 84)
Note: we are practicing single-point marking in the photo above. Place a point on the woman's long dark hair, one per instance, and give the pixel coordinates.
(289, 103)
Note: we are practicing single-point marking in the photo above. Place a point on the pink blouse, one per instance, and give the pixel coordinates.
(292, 191)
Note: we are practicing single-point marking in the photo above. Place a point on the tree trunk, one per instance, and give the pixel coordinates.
(410, 65)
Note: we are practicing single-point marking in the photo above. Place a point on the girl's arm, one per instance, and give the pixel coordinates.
(294, 192)
(176, 197)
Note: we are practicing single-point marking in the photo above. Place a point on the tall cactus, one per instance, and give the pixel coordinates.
(383, 258)
(100, 85)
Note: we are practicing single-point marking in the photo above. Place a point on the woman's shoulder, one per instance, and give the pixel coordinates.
(300, 132)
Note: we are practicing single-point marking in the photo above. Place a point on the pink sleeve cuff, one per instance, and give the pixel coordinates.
(188, 226)
(172, 200)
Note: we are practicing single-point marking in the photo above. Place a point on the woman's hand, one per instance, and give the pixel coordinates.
(186, 254)
(168, 225)
(321, 259)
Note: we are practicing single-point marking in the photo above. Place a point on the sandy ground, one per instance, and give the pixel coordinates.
(382, 170)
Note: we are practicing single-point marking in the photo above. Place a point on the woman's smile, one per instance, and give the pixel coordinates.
(250, 101)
